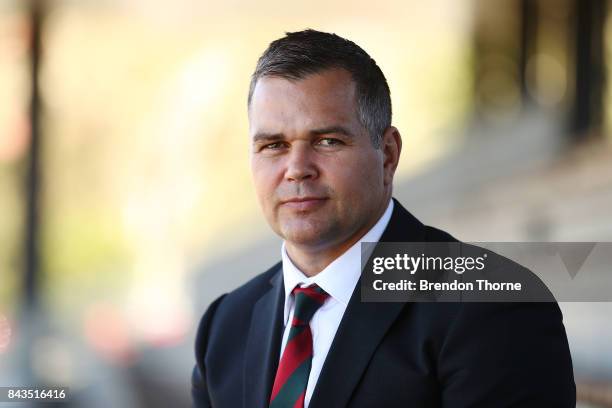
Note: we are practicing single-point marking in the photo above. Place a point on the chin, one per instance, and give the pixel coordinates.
(302, 238)
(310, 229)
(307, 235)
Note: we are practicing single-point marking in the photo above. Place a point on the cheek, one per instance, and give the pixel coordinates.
(357, 177)
(264, 179)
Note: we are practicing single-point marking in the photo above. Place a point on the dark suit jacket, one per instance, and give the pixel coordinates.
(390, 354)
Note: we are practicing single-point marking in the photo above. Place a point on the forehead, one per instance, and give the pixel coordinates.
(324, 98)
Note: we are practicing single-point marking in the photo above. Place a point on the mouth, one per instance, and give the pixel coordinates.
(303, 203)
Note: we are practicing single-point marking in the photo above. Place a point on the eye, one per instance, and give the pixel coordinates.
(272, 146)
(330, 141)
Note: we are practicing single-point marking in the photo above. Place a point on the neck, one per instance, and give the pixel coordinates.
(311, 260)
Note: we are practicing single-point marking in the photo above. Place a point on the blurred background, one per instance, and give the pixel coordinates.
(126, 203)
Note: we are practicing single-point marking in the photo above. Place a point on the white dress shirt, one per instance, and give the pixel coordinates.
(338, 279)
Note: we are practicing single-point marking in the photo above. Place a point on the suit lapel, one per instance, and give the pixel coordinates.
(363, 326)
(263, 344)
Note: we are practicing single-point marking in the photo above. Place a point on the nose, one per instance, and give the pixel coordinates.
(301, 163)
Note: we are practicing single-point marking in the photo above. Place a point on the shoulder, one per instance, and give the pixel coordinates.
(433, 234)
(249, 292)
(405, 227)
(241, 298)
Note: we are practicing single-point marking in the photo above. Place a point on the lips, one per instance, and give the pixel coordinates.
(303, 203)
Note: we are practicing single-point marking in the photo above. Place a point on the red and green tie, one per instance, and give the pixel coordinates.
(294, 368)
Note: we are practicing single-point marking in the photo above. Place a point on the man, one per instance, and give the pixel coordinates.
(323, 158)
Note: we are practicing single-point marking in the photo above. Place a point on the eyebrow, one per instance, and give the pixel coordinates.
(268, 137)
(331, 129)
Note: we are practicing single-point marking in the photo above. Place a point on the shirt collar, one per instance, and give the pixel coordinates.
(339, 278)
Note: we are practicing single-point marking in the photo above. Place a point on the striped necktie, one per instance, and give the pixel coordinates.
(294, 368)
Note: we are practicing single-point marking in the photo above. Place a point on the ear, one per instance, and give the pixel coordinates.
(391, 146)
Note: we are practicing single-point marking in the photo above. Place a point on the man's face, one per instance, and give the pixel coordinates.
(318, 178)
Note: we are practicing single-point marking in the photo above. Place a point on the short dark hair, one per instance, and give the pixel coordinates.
(307, 52)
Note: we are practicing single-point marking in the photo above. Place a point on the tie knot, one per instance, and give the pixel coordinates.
(307, 301)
